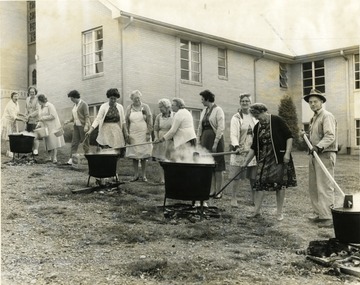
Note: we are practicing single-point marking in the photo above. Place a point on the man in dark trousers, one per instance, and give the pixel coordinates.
(323, 137)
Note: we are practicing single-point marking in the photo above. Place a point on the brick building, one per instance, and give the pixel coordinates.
(92, 46)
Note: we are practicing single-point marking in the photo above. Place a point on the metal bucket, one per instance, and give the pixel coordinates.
(102, 165)
(346, 224)
(20, 143)
(187, 181)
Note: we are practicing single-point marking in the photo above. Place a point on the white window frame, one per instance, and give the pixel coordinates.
(93, 110)
(93, 53)
(31, 21)
(357, 132)
(315, 74)
(283, 78)
(195, 113)
(191, 62)
(222, 63)
(357, 71)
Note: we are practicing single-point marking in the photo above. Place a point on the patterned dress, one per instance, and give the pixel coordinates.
(272, 176)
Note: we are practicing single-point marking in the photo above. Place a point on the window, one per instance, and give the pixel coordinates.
(31, 21)
(222, 63)
(93, 110)
(313, 76)
(93, 52)
(190, 61)
(196, 116)
(33, 77)
(357, 132)
(357, 71)
(283, 79)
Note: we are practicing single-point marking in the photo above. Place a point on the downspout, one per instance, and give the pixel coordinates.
(348, 120)
(131, 19)
(255, 60)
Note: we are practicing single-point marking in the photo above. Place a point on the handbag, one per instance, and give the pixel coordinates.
(59, 132)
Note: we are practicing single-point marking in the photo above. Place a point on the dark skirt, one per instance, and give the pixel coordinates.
(271, 176)
(207, 141)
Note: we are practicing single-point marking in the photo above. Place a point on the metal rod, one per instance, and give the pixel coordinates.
(327, 173)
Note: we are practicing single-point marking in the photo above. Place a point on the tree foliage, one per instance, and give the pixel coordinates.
(287, 111)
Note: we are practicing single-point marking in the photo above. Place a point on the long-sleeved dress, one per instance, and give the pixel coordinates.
(50, 119)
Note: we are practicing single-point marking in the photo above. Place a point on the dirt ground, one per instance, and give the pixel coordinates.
(50, 235)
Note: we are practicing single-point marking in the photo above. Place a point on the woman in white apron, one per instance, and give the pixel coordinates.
(139, 125)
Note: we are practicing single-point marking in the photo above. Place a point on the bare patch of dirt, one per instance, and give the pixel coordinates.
(121, 236)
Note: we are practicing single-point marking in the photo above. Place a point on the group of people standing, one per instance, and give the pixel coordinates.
(261, 142)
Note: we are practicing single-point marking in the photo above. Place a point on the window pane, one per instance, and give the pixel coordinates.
(221, 62)
(195, 77)
(184, 54)
(357, 85)
(221, 71)
(319, 64)
(356, 66)
(307, 74)
(320, 81)
(99, 34)
(307, 66)
(321, 88)
(184, 44)
(195, 47)
(184, 64)
(195, 57)
(98, 45)
(307, 90)
(356, 57)
(221, 53)
(195, 67)
(87, 38)
(98, 56)
(319, 72)
(99, 67)
(308, 83)
(184, 74)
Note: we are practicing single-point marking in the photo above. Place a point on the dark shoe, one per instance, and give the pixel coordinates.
(318, 220)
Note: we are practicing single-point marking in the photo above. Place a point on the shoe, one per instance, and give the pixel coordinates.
(54, 161)
(280, 217)
(313, 218)
(9, 154)
(234, 203)
(144, 179)
(70, 162)
(35, 152)
(218, 196)
(134, 179)
(253, 216)
(318, 220)
(327, 225)
(49, 159)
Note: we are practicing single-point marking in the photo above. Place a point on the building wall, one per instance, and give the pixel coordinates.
(59, 50)
(13, 67)
(141, 56)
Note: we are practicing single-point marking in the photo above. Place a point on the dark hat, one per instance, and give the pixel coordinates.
(314, 92)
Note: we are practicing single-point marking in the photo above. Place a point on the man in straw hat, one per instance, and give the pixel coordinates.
(323, 137)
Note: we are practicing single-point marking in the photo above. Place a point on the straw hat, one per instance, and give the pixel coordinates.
(314, 92)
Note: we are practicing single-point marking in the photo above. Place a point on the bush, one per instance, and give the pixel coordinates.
(287, 111)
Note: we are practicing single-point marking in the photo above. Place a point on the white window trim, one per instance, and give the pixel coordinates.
(190, 81)
(356, 71)
(225, 62)
(313, 77)
(283, 75)
(94, 74)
